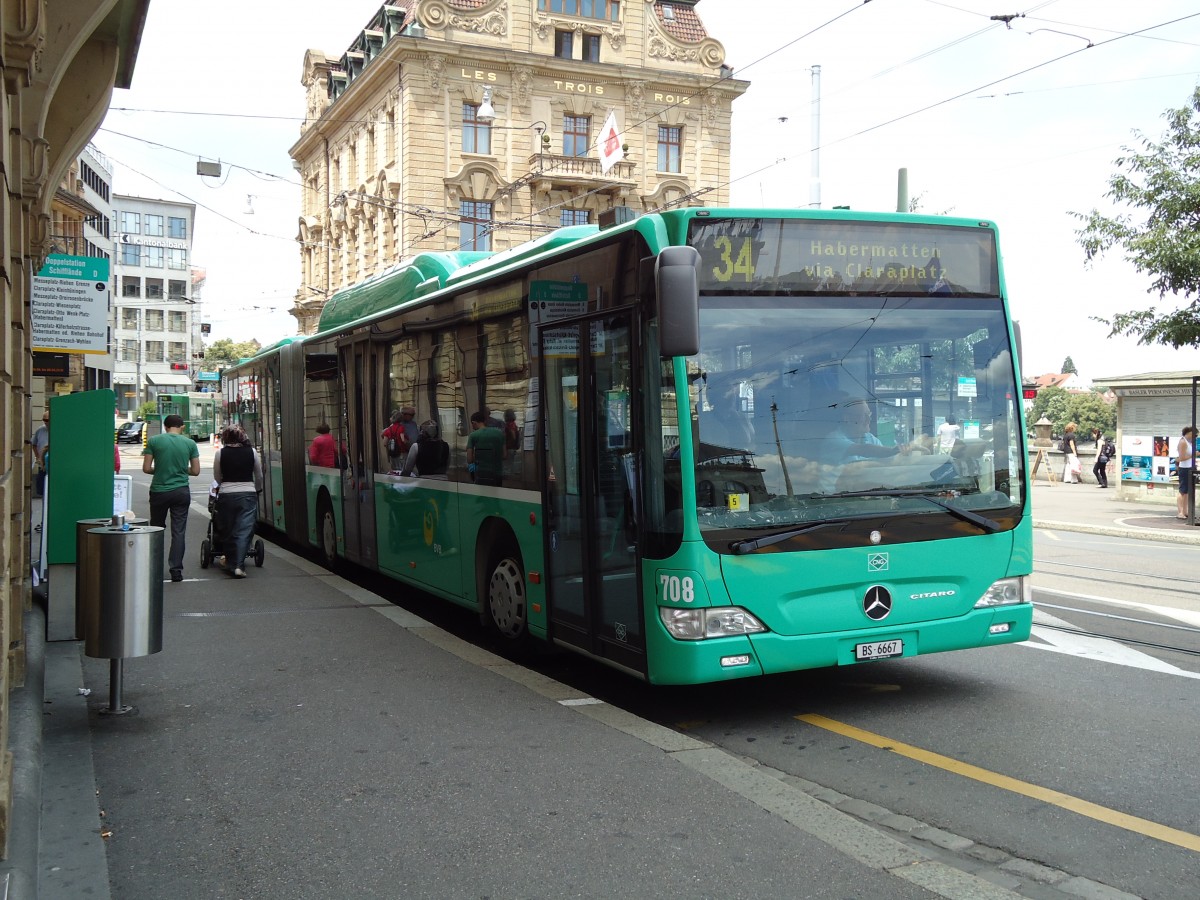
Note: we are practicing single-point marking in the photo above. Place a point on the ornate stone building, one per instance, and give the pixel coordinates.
(476, 124)
(61, 61)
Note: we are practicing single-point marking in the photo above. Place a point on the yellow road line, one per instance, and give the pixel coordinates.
(1154, 830)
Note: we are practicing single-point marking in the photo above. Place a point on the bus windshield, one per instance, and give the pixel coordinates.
(809, 408)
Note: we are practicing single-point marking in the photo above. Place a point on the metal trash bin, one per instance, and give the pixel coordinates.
(122, 592)
(82, 526)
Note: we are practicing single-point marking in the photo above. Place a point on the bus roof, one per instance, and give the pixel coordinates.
(423, 274)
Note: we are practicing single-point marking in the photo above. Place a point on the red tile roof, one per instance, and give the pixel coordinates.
(684, 24)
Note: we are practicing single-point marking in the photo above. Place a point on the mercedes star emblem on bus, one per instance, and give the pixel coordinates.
(877, 603)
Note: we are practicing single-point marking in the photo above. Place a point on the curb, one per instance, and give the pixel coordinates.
(1141, 534)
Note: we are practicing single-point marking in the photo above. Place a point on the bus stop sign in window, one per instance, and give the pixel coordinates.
(820, 256)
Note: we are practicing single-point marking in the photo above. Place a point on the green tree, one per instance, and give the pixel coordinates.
(1069, 366)
(1087, 409)
(225, 352)
(1090, 410)
(1161, 186)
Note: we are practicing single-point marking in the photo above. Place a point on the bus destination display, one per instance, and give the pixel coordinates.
(797, 256)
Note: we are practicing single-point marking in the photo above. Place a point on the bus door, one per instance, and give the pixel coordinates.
(358, 481)
(590, 488)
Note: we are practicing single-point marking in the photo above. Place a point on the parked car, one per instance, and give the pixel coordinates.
(131, 433)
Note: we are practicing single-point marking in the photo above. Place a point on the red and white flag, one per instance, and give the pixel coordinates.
(610, 144)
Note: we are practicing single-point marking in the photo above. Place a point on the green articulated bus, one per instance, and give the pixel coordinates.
(727, 442)
(198, 411)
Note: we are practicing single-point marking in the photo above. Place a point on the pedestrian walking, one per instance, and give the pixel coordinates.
(237, 470)
(171, 457)
(1072, 471)
(1100, 464)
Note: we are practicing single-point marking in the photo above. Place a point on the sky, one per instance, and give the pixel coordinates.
(1017, 123)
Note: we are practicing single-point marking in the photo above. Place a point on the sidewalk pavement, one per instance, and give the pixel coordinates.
(299, 736)
(1087, 508)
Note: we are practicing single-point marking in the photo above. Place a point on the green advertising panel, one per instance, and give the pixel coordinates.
(80, 467)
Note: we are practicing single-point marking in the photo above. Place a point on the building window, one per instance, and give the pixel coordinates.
(176, 290)
(670, 144)
(177, 228)
(154, 320)
(576, 131)
(154, 288)
(131, 222)
(176, 352)
(176, 258)
(154, 226)
(129, 350)
(591, 48)
(573, 216)
(154, 257)
(476, 230)
(591, 9)
(477, 135)
(564, 44)
(131, 287)
(131, 254)
(154, 351)
(129, 319)
(176, 321)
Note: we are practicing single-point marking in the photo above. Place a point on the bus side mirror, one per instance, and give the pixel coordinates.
(678, 294)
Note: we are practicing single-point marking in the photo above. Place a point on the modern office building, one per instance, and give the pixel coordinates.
(153, 299)
(80, 225)
(478, 124)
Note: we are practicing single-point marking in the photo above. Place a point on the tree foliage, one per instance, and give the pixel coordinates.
(1086, 409)
(1160, 184)
(1069, 366)
(225, 352)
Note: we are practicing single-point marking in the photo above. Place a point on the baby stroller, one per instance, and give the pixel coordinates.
(211, 548)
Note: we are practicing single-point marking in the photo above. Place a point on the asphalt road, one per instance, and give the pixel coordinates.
(1074, 752)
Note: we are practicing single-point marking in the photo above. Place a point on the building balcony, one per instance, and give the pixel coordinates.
(555, 172)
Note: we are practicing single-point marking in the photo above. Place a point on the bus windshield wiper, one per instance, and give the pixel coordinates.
(750, 544)
(989, 525)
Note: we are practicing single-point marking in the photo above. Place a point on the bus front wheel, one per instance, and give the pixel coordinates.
(506, 608)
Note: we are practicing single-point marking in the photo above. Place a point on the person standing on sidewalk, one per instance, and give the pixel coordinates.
(1186, 467)
(237, 470)
(171, 457)
(1100, 467)
(1071, 469)
(41, 440)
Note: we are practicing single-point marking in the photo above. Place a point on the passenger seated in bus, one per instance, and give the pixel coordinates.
(323, 450)
(485, 451)
(429, 456)
(726, 425)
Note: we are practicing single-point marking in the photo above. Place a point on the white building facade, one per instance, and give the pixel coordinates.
(153, 300)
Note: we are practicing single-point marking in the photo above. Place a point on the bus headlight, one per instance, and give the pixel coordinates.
(699, 624)
(1006, 592)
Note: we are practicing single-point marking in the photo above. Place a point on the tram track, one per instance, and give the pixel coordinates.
(1144, 581)
(1181, 630)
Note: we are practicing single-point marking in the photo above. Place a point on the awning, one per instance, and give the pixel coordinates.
(168, 379)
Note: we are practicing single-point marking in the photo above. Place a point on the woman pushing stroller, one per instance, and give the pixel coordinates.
(237, 470)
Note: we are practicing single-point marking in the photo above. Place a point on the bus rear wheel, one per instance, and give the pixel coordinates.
(505, 600)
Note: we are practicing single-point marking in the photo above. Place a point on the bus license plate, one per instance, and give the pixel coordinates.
(879, 650)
